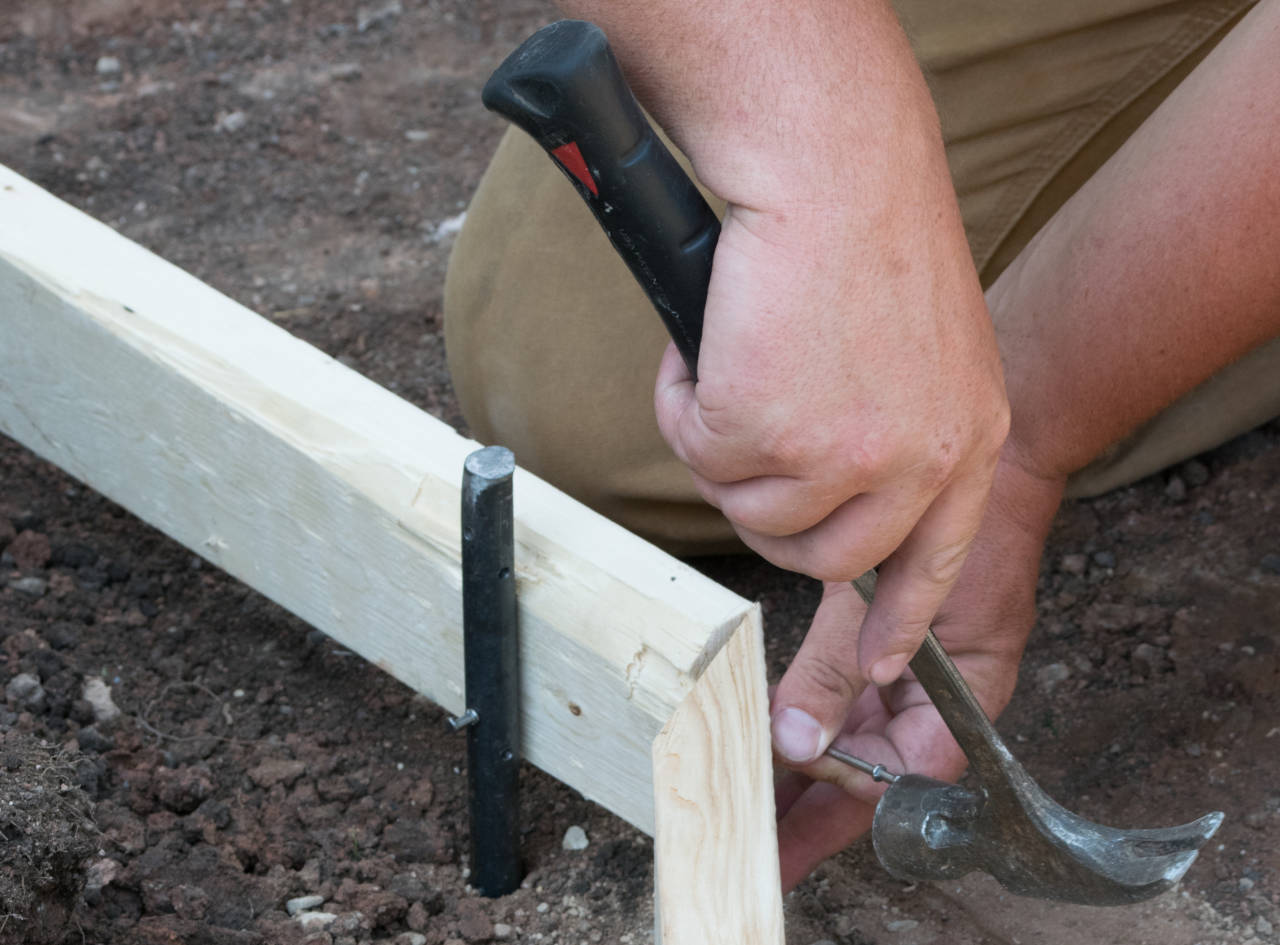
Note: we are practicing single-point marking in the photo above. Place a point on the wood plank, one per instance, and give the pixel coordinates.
(336, 498)
(716, 846)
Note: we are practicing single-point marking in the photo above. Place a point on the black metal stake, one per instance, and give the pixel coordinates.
(492, 718)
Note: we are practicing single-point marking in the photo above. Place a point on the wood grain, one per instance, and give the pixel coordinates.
(716, 846)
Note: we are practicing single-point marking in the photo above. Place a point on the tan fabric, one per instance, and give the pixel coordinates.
(553, 348)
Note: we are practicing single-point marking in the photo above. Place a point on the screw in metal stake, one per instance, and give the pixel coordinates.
(491, 657)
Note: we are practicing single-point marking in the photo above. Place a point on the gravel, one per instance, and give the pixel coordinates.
(575, 838)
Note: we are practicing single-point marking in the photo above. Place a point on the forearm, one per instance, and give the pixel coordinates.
(778, 104)
(1160, 271)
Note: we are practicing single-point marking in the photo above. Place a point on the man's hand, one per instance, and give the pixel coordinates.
(824, 806)
(850, 401)
(848, 413)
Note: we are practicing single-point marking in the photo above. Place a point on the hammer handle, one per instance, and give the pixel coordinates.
(564, 87)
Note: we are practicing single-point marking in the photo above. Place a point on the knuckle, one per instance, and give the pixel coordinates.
(820, 676)
(784, 449)
(871, 457)
(937, 469)
(940, 566)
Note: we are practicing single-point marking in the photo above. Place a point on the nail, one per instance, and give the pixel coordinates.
(796, 735)
(888, 668)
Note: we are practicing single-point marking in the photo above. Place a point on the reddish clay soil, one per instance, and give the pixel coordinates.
(310, 159)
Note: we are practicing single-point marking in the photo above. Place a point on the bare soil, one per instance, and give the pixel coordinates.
(310, 159)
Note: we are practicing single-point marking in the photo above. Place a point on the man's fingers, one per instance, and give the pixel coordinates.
(787, 789)
(821, 823)
(853, 539)
(915, 580)
(813, 699)
(721, 455)
(822, 817)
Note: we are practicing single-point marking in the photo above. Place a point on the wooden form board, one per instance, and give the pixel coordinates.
(340, 501)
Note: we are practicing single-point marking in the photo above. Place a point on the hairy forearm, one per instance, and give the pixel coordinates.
(778, 103)
(1160, 271)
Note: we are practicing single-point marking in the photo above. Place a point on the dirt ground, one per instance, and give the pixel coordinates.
(311, 159)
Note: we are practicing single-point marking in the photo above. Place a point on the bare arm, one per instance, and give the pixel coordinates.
(1162, 269)
(779, 104)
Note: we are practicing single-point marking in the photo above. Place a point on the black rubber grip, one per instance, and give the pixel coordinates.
(563, 86)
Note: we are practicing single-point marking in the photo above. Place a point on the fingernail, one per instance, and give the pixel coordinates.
(887, 669)
(796, 735)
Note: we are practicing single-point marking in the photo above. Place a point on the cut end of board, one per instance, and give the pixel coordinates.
(716, 843)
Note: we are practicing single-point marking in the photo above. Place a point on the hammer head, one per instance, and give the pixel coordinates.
(927, 829)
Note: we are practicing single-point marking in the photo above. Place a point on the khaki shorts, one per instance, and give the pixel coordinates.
(554, 349)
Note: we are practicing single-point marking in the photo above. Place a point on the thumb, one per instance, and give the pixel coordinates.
(815, 695)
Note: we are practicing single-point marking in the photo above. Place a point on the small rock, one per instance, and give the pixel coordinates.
(410, 938)
(382, 907)
(62, 636)
(474, 925)
(90, 739)
(231, 122)
(379, 14)
(345, 71)
(575, 838)
(901, 925)
(25, 690)
(189, 902)
(30, 550)
(417, 917)
(315, 921)
(1256, 819)
(277, 771)
(502, 931)
(417, 135)
(303, 904)
(1270, 563)
(1195, 472)
(31, 586)
(98, 694)
(1176, 490)
(1148, 654)
(1073, 564)
(1195, 750)
(91, 579)
(348, 923)
(448, 228)
(74, 555)
(100, 875)
(182, 789)
(1263, 927)
(408, 887)
(1049, 676)
(1104, 559)
(410, 840)
(108, 65)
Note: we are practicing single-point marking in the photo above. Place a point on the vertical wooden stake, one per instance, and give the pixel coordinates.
(716, 842)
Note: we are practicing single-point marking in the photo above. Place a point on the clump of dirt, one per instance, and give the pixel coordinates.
(46, 822)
